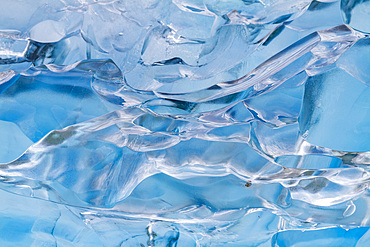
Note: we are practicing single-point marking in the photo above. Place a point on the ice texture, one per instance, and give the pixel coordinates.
(184, 123)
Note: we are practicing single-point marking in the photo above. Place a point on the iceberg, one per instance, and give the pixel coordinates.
(184, 123)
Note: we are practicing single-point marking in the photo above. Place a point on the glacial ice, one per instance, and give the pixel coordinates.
(184, 123)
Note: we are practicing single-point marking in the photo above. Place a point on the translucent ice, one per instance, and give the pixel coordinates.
(357, 14)
(184, 123)
(335, 112)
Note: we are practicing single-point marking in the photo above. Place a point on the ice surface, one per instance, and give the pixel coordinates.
(356, 13)
(184, 123)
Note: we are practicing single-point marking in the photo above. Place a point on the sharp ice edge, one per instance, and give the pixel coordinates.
(179, 149)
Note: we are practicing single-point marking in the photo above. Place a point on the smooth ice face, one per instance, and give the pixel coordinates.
(56, 33)
(184, 123)
(335, 112)
(356, 13)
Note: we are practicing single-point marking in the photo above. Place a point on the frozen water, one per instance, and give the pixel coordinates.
(184, 123)
(356, 14)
